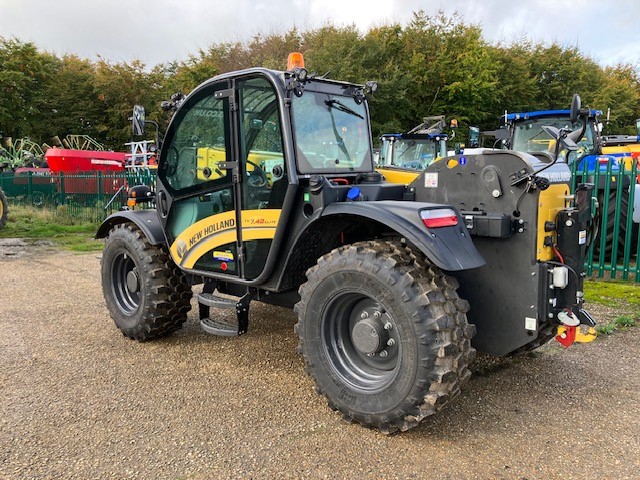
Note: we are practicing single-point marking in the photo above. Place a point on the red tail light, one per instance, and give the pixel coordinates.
(439, 217)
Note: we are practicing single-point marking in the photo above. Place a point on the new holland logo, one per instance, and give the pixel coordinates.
(181, 248)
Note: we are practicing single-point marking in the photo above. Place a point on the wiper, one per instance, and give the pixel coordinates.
(406, 149)
(342, 107)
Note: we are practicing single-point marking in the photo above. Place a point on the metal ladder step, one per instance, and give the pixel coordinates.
(224, 327)
(218, 301)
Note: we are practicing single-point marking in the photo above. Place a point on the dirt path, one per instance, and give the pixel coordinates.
(78, 400)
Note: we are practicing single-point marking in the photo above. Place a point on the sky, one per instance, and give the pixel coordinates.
(157, 31)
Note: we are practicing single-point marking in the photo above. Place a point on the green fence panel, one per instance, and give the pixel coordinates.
(615, 248)
(86, 196)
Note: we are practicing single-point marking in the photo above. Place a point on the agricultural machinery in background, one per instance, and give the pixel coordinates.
(608, 162)
(416, 149)
(21, 153)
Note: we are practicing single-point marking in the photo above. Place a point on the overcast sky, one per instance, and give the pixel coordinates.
(157, 31)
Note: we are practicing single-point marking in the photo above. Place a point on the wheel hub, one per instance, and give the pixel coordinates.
(369, 336)
(133, 282)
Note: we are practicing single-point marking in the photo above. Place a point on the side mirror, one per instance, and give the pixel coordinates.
(137, 120)
(575, 108)
(563, 140)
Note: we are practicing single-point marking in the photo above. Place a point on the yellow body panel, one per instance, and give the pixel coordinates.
(216, 230)
(398, 176)
(626, 149)
(550, 202)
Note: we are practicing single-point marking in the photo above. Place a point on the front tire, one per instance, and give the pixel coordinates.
(147, 295)
(385, 338)
(4, 209)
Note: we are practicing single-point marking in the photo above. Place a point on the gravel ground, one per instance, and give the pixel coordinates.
(79, 400)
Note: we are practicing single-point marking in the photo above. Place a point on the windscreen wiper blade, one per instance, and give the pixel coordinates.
(342, 107)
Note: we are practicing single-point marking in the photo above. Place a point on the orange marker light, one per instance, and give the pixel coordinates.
(295, 60)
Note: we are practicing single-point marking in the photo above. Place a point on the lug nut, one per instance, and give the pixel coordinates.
(364, 315)
(377, 314)
(388, 326)
(384, 353)
(391, 342)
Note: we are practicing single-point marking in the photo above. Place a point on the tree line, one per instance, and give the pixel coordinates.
(433, 65)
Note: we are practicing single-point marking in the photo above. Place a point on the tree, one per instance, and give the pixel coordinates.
(25, 74)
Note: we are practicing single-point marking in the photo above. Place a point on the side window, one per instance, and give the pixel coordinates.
(261, 139)
(199, 144)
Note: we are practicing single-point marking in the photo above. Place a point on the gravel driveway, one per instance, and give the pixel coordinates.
(79, 400)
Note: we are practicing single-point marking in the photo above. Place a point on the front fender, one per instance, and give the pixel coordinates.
(146, 220)
(449, 248)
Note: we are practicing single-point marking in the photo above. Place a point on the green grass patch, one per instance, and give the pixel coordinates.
(612, 293)
(56, 225)
(621, 323)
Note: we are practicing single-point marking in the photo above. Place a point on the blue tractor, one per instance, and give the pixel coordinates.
(525, 132)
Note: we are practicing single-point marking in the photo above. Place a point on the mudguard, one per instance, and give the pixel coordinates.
(146, 220)
(449, 248)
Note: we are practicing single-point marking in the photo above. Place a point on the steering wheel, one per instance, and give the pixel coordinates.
(257, 177)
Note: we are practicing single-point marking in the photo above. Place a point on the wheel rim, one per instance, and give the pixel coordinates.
(125, 282)
(360, 339)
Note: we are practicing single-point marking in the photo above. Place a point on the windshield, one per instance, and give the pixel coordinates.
(331, 134)
(528, 136)
(417, 154)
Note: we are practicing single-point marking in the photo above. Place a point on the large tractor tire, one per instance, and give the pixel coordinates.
(611, 235)
(4, 209)
(384, 335)
(147, 295)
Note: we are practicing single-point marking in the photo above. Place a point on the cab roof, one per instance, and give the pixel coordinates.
(516, 117)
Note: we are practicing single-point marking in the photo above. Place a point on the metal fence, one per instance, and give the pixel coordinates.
(616, 243)
(86, 197)
(93, 196)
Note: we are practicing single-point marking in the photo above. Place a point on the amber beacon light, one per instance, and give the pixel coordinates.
(295, 60)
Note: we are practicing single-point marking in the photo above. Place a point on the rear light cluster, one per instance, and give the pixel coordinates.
(439, 217)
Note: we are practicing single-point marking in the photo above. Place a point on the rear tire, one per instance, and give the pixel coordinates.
(374, 297)
(611, 235)
(147, 295)
(4, 209)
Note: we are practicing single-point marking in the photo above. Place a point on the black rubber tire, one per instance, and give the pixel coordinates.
(158, 303)
(429, 326)
(609, 231)
(4, 209)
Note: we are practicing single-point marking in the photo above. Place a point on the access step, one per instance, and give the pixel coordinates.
(220, 326)
(217, 301)
(224, 326)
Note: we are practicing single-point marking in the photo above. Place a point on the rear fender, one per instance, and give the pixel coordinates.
(449, 248)
(146, 220)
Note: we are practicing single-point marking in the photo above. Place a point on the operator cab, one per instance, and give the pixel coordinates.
(528, 135)
(412, 150)
(238, 146)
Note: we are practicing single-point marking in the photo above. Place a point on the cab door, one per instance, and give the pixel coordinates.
(196, 198)
(222, 178)
(264, 173)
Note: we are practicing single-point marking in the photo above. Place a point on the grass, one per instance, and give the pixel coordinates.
(620, 323)
(612, 293)
(615, 294)
(57, 226)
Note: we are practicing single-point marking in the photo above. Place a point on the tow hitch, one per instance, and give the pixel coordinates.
(574, 330)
